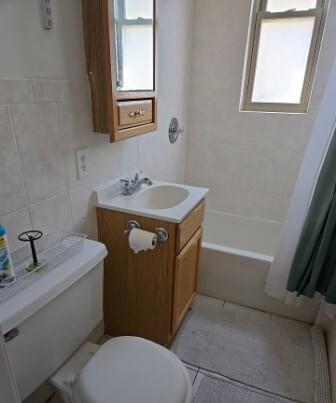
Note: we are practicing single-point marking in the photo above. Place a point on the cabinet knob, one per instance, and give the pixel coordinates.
(136, 114)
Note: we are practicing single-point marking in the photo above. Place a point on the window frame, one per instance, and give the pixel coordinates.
(260, 13)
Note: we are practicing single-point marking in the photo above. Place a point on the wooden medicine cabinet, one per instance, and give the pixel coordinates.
(121, 50)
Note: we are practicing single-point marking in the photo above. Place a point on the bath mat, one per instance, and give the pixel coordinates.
(322, 387)
(213, 390)
(273, 354)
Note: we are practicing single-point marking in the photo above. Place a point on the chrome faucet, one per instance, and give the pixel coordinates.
(130, 186)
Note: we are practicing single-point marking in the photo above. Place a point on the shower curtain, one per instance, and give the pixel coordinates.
(304, 205)
(314, 266)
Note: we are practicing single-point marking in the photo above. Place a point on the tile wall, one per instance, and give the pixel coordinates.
(250, 160)
(44, 120)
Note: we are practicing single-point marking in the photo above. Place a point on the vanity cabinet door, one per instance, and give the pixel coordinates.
(185, 279)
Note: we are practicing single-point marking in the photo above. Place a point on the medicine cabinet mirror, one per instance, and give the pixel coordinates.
(121, 51)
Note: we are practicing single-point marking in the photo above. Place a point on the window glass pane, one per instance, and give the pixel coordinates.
(137, 53)
(135, 9)
(283, 5)
(282, 59)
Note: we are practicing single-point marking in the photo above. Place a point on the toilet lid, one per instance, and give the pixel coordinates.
(134, 370)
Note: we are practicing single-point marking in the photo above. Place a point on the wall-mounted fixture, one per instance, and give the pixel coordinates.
(175, 130)
(47, 14)
(82, 163)
(121, 52)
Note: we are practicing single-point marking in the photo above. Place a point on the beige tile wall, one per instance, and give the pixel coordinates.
(44, 120)
(250, 161)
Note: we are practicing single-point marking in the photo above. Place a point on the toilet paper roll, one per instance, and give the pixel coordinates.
(140, 240)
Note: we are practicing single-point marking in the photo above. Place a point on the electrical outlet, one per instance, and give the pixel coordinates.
(82, 163)
(47, 15)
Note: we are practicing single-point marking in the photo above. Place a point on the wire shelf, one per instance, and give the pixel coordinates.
(52, 250)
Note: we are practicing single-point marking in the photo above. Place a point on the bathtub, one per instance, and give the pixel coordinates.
(236, 256)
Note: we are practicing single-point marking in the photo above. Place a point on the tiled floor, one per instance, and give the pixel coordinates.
(239, 352)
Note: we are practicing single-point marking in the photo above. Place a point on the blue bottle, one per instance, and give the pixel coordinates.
(7, 275)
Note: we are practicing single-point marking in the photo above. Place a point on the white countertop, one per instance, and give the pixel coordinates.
(109, 197)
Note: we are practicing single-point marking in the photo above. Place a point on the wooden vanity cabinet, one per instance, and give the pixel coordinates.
(148, 294)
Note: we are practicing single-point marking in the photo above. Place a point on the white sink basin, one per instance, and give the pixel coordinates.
(162, 200)
(161, 197)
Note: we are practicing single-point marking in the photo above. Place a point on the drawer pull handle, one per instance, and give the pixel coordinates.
(11, 335)
(136, 114)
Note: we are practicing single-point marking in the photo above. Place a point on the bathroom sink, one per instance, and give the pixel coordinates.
(161, 197)
(162, 200)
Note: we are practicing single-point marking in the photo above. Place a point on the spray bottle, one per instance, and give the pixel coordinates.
(7, 275)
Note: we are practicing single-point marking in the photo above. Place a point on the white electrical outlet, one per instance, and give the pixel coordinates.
(82, 163)
(47, 15)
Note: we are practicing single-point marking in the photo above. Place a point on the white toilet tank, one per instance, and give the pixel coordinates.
(54, 316)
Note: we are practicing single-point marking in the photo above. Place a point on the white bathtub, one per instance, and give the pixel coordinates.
(236, 255)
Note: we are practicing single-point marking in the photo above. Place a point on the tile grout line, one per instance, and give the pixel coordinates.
(197, 373)
(28, 204)
(240, 384)
(17, 148)
(67, 181)
(265, 312)
(53, 196)
(221, 378)
(33, 88)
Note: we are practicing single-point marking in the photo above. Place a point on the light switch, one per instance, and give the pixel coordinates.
(82, 163)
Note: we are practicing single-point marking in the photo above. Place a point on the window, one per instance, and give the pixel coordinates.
(283, 54)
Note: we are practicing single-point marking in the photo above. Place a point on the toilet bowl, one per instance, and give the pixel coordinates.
(125, 370)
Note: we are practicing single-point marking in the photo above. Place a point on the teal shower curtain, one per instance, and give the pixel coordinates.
(314, 265)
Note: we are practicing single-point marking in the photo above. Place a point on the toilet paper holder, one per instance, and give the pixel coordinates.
(161, 233)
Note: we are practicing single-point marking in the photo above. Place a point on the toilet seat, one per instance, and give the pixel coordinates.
(133, 370)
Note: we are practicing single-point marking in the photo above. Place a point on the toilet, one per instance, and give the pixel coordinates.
(124, 370)
(66, 306)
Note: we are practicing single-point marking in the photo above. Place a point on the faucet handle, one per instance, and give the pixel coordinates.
(125, 185)
(137, 175)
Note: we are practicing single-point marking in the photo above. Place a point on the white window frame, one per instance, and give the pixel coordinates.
(259, 14)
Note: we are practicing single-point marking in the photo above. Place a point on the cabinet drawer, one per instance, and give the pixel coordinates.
(135, 113)
(189, 226)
